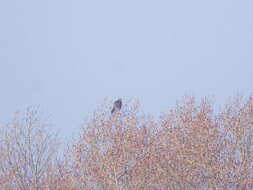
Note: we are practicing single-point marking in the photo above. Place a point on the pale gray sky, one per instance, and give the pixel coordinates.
(67, 56)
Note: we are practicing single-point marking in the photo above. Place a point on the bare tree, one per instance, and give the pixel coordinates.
(28, 152)
(190, 147)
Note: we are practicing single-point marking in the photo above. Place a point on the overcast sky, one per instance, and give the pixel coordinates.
(68, 56)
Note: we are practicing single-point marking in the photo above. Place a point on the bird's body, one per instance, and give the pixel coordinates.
(117, 105)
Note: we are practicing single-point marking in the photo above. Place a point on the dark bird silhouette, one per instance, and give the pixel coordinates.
(117, 105)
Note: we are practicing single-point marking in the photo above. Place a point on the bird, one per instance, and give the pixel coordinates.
(116, 105)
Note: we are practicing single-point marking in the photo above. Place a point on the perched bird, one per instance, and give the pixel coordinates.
(117, 105)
